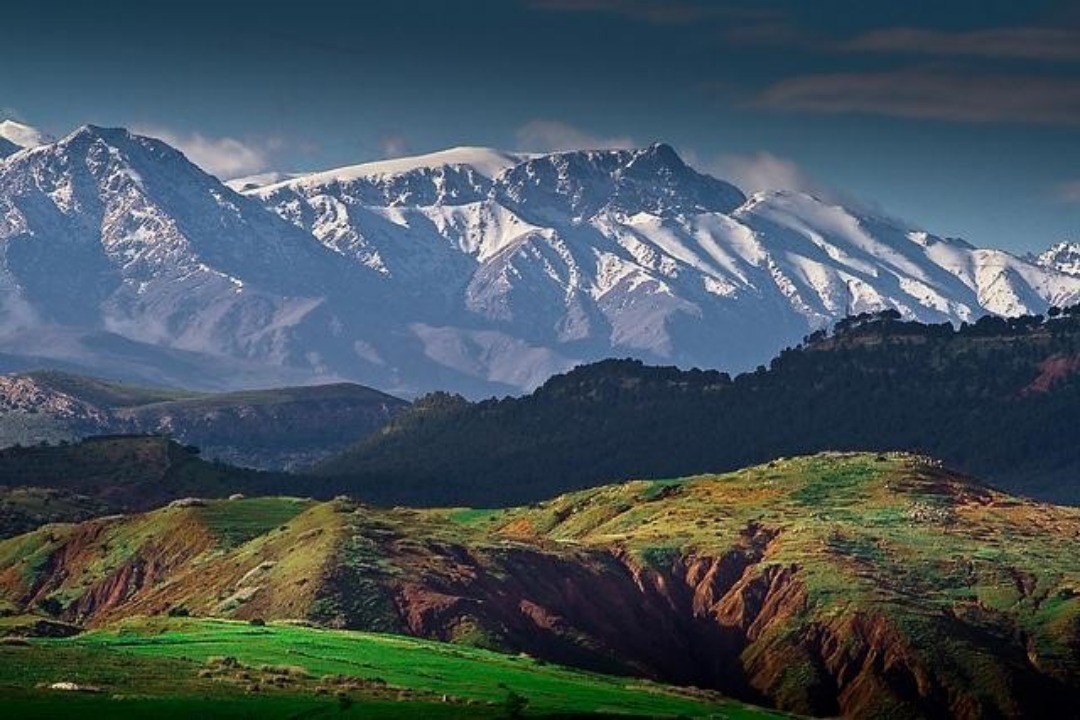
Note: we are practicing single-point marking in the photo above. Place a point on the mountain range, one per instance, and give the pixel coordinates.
(278, 429)
(472, 270)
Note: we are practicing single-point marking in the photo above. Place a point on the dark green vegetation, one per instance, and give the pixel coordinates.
(270, 429)
(23, 509)
(184, 668)
(999, 399)
(857, 584)
(113, 474)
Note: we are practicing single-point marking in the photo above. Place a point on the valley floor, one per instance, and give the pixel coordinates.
(178, 667)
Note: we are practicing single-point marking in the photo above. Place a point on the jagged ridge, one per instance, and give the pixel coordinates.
(472, 269)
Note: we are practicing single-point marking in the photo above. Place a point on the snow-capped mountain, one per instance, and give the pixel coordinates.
(588, 254)
(471, 269)
(110, 236)
(1062, 256)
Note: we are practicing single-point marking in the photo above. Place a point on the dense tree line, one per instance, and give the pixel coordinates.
(132, 472)
(967, 395)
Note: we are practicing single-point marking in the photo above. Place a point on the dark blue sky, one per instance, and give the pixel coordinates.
(962, 117)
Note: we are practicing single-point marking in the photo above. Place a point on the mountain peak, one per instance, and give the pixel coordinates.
(82, 139)
(118, 147)
(661, 151)
(610, 159)
(658, 158)
(471, 269)
(97, 132)
(582, 183)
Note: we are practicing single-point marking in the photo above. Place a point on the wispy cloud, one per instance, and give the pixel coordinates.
(930, 94)
(393, 146)
(733, 22)
(557, 136)
(763, 171)
(1068, 192)
(1027, 43)
(225, 157)
(657, 12)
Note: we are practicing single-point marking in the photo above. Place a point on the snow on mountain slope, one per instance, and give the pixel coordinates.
(883, 264)
(1062, 256)
(591, 254)
(110, 232)
(472, 269)
(476, 161)
(254, 182)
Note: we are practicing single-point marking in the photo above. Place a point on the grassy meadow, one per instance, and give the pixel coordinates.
(183, 667)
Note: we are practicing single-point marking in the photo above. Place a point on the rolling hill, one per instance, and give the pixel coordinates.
(998, 399)
(272, 429)
(854, 584)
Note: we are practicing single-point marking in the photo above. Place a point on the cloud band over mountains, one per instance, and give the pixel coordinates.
(932, 95)
(224, 157)
(1028, 43)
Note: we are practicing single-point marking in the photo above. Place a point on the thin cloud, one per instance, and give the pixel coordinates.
(556, 136)
(1022, 43)
(393, 146)
(1068, 193)
(928, 95)
(766, 33)
(764, 171)
(658, 12)
(224, 157)
(732, 23)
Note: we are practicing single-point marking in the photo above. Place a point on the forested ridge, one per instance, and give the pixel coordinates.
(997, 398)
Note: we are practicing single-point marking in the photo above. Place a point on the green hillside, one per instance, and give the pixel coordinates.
(868, 585)
(106, 393)
(178, 667)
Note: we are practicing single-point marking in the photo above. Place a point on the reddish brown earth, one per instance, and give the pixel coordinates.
(758, 584)
(1052, 371)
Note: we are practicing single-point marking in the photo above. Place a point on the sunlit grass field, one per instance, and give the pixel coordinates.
(180, 667)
